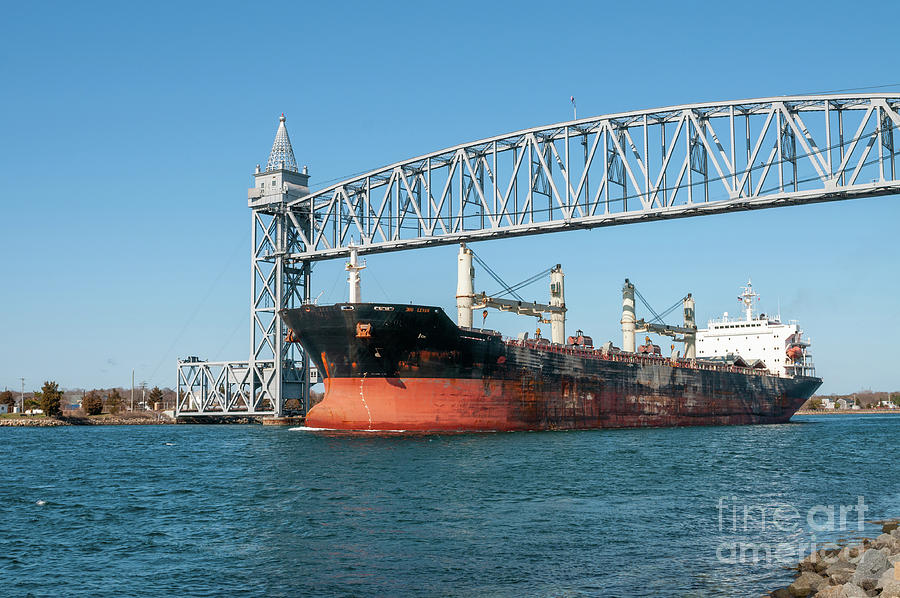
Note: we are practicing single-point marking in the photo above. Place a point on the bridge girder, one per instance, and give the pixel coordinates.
(663, 163)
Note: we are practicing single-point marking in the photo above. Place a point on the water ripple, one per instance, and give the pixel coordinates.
(246, 510)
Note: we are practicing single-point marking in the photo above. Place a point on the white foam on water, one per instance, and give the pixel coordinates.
(377, 431)
(41, 503)
(308, 429)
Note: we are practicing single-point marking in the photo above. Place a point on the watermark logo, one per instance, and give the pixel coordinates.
(751, 524)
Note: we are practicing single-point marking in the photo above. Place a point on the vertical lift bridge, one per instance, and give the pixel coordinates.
(644, 165)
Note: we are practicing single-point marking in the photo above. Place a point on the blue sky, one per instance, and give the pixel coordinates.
(129, 133)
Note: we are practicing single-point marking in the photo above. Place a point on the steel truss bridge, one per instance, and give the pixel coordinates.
(608, 170)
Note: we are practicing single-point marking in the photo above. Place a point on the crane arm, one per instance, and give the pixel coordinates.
(663, 329)
(522, 308)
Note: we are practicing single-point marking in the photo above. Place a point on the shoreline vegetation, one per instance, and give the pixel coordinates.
(53, 406)
(863, 399)
(42, 421)
(852, 568)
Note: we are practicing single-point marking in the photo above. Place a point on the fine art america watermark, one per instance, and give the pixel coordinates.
(745, 521)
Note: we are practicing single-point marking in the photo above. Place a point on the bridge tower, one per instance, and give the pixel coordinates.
(276, 370)
(280, 367)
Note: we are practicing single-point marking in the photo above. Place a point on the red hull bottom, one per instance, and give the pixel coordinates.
(462, 404)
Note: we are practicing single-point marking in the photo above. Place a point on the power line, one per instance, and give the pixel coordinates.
(853, 89)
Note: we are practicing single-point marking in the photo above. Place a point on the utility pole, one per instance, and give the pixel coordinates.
(132, 389)
(23, 396)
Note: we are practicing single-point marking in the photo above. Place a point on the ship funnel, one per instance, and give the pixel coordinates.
(465, 286)
(690, 339)
(557, 299)
(628, 318)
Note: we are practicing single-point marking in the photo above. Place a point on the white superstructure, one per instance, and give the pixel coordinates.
(757, 337)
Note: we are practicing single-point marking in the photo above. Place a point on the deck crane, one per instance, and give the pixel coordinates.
(467, 300)
(631, 325)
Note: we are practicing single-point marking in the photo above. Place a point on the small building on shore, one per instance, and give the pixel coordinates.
(4, 408)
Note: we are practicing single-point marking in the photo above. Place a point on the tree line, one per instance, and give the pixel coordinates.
(50, 399)
(865, 399)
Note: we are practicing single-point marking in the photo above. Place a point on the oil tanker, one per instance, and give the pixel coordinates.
(399, 367)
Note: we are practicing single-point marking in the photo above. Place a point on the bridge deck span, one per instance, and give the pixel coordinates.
(614, 169)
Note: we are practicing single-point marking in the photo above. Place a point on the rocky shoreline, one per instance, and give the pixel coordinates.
(51, 422)
(868, 568)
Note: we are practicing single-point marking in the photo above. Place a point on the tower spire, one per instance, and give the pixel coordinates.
(282, 154)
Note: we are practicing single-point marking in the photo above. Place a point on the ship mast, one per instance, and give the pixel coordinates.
(353, 267)
(747, 299)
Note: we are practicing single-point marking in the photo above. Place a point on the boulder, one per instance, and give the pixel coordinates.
(889, 526)
(831, 592)
(883, 541)
(806, 584)
(782, 593)
(891, 590)
(842, 591)
(809, 566)
(870, 567)
(840, 572)
(886, 578)
(853, 591)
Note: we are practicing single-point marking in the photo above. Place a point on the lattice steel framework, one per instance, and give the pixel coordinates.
(277, 370)
(616, 169)
(282, 155)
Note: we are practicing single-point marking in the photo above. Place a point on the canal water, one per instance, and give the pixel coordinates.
(254, 511)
